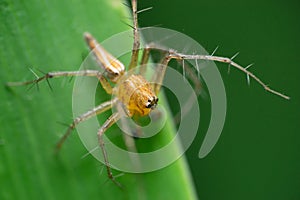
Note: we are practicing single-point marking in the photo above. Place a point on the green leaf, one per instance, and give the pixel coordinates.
(47, 35)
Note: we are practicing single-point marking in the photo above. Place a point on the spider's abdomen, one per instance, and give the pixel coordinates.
(112, 66)
(136, 94)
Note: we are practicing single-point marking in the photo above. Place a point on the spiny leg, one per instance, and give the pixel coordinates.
(91, 73)
(159, 75)
(158, 79)
(229, 61)
(178, 56)
(95, 111)
(108, 123)
(190, 73)
(160, 70)
(136, 42)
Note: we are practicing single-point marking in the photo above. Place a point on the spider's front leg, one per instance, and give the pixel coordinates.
(179, 56)
(158, 77)
(136, 37)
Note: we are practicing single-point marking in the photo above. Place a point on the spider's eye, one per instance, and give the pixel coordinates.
(148, 105)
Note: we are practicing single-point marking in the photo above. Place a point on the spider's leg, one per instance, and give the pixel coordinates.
(95, 111)
(195, 79)
(108, 123)
(136, 42)
(179, 56)
(144, 61)
(54, 75)
(48, 75)
(159, 75)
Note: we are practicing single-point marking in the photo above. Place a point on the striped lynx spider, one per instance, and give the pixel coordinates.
(143, 94)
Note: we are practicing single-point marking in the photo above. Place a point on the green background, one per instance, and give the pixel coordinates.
(257, 156)
(258, 153)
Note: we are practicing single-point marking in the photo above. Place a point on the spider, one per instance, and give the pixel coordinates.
(136, 95)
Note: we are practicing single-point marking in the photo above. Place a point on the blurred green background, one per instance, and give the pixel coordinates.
(257, 155)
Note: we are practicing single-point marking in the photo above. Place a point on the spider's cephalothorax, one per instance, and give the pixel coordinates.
(136, 93)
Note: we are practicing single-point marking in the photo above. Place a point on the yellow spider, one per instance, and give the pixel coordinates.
(133, 91)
